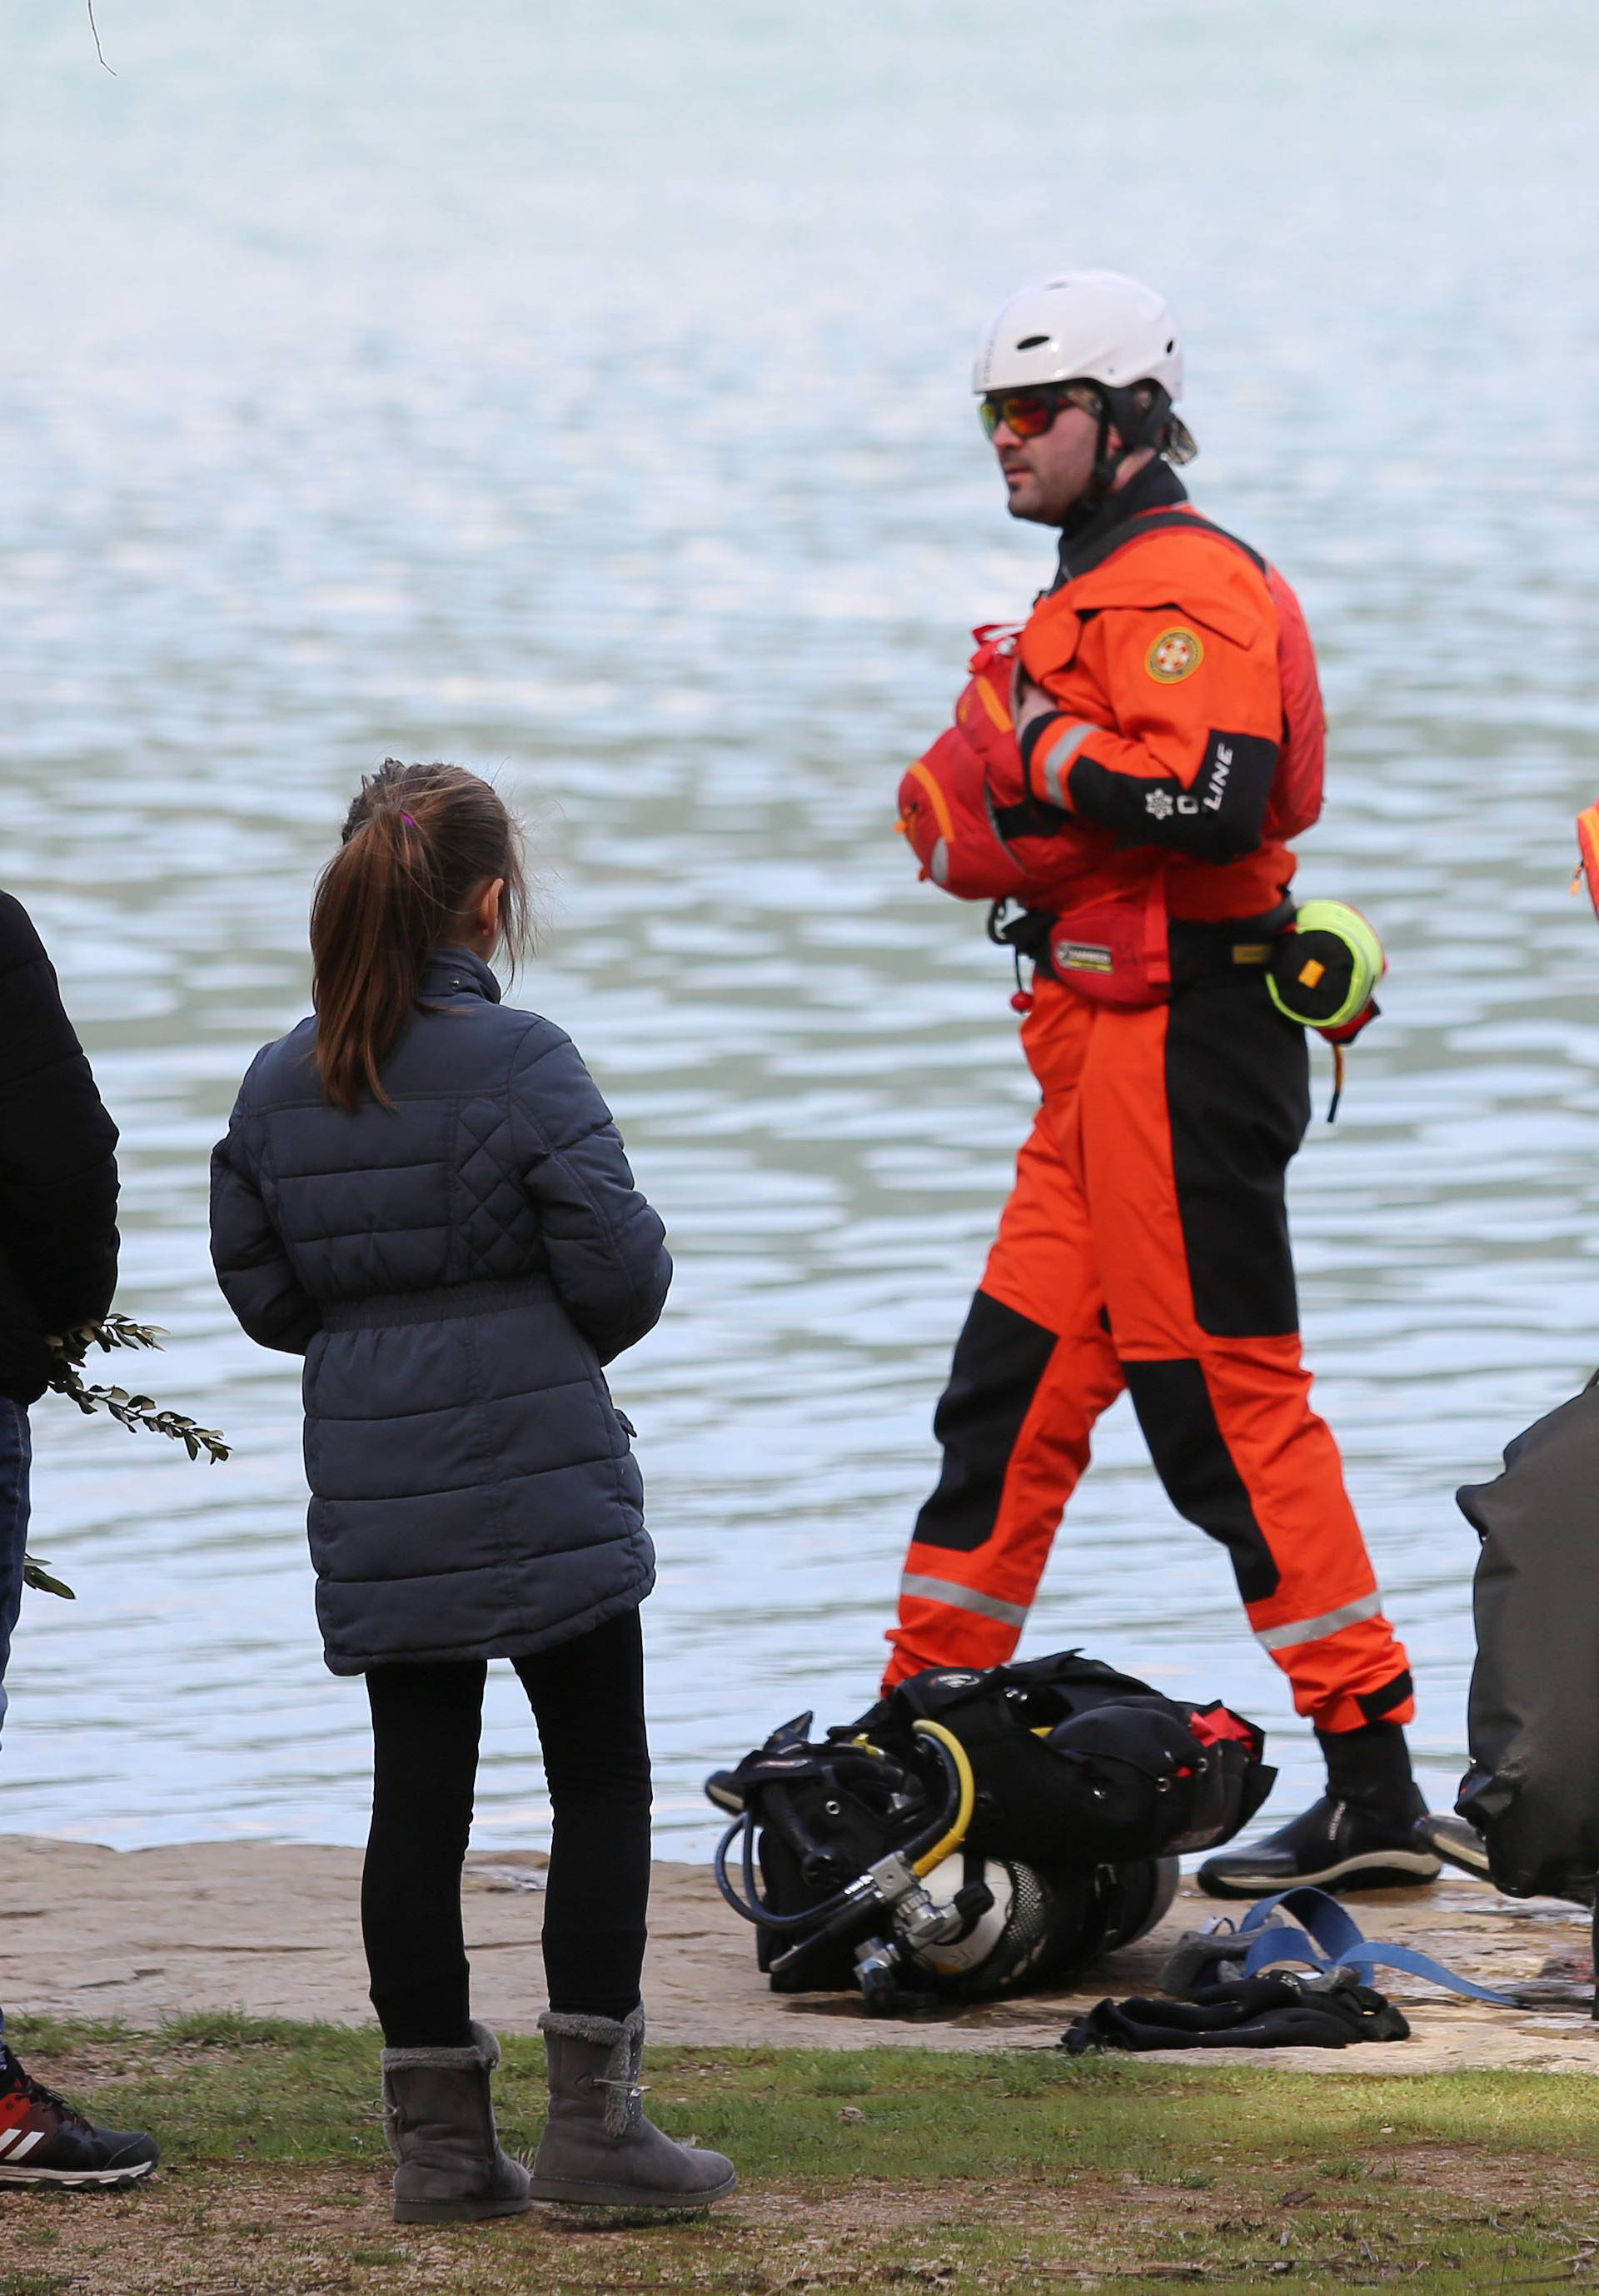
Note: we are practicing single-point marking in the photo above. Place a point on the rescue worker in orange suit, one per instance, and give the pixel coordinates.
(1121, 781)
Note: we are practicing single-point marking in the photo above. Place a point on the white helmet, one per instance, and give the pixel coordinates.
(1089, 326)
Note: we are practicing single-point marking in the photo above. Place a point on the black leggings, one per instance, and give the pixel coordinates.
(587, 1697)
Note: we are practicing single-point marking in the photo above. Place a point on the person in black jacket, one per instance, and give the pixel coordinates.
(58, 1268)
(422, 1192)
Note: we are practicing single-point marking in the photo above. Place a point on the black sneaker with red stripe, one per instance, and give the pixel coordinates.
(45, 2141)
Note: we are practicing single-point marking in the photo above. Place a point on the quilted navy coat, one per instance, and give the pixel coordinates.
(454, 1269)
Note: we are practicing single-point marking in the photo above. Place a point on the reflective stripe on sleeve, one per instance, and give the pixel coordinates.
(1053, 763)
(964, 1598)
(1312, 1630)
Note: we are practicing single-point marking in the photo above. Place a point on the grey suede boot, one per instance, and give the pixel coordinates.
(598, 2147)
(442, 2131)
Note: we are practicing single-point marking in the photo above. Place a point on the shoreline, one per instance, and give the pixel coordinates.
(273, 1929)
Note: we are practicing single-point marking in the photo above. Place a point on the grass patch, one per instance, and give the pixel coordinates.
(890, 2169)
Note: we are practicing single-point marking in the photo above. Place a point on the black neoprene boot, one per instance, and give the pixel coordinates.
(1360, 1835)
(1456, 1842)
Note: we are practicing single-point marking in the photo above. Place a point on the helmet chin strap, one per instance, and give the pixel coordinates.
(1132, 425)
(1108, 461)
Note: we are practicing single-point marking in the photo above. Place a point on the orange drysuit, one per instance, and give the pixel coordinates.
(1145, 1244)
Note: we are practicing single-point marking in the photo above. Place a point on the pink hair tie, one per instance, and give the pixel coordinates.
(405, 816)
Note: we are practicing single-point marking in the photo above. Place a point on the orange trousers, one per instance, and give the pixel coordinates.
(1145, 1246)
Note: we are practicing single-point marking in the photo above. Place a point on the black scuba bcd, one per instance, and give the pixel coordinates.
(978, 1832)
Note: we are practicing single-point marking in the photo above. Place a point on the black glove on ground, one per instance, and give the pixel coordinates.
(1258, 2013)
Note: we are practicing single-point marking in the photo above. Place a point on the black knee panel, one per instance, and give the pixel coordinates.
(1000, 1360)
(1192, 1459)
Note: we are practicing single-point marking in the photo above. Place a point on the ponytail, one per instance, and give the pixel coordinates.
(420, 844)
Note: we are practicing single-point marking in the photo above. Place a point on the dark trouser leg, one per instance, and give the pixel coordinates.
(587, 1696)
(15, 1457)
(426, 1721)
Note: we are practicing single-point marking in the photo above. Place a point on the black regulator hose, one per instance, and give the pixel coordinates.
(752, 1907)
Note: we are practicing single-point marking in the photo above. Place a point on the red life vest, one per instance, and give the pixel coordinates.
(962, 802)
(964, 806)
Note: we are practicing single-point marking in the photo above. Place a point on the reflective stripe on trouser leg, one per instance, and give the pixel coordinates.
(1351, 1676)
(931, 1632)
(1184, 1158)
(956, 1597)
(1315, 1630)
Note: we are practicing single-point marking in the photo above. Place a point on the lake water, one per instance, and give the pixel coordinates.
(581, 394)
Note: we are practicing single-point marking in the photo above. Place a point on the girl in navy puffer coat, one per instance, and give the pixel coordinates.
(422, 1192)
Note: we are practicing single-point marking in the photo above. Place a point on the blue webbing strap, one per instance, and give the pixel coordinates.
(1325, 1924)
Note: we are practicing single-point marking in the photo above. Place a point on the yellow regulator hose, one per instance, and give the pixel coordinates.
(924, 1866)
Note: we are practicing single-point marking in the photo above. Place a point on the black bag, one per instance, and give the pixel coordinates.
(1532, 1791)
(1078, 1765)
(1088, 1785)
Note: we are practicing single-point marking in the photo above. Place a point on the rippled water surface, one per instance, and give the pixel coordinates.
(581, 394)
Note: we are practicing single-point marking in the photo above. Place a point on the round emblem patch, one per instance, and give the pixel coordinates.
(1174, 655)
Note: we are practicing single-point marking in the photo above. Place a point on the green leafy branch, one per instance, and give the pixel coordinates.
(69, 1353)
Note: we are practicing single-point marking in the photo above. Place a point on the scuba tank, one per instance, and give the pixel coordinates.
(978, 1832)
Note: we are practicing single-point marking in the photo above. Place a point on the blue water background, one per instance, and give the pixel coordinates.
(582, 394)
